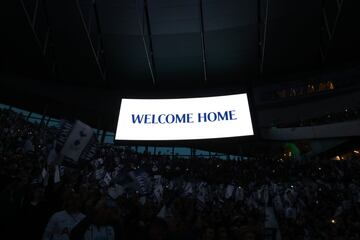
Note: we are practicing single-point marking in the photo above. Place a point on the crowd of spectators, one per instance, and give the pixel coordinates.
(200, 199)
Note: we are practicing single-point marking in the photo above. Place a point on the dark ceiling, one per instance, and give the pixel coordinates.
(131, 44)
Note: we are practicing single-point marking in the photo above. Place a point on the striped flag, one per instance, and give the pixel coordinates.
(141, 180)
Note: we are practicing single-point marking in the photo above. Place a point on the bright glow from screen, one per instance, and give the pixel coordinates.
(185, 118)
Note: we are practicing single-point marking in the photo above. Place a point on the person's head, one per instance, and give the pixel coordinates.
(106, 212)
(101, 217)
(249, 236)
(247, 233)
(209, 233)
(157, 229)
(72, 202)
(222, 233)
(37, 194)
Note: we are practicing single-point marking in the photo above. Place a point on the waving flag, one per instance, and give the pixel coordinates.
(76, 142)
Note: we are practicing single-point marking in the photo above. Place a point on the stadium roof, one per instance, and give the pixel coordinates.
(141, 43)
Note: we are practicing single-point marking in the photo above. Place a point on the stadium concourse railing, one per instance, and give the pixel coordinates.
(332, 130)
(313, 84)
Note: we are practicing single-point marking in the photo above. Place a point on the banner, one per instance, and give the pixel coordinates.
(185, 118)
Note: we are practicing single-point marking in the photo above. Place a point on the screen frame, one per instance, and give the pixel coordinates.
(183, 142)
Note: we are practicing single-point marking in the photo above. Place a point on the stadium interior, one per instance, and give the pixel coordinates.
(69, 64)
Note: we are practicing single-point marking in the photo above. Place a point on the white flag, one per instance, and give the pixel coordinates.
(271, 221)
(278, 203)
(201, 194)
(164, 213)
(45, 177)
(171, 185)
(107, 179)
(158, 192)
(99, 173)
(270, 218)
(115, 172)
(188, 190)
(51, 159)
(239, 194)
(266, 194)
(157, 179)
(116, 191)
(43, 173)
(57, 174)
(290, 213)
(76, 142)
(229, 191)
(142, 200)
(29, 146)
(141, 180)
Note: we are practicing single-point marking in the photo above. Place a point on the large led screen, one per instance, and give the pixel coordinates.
(184, 118)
